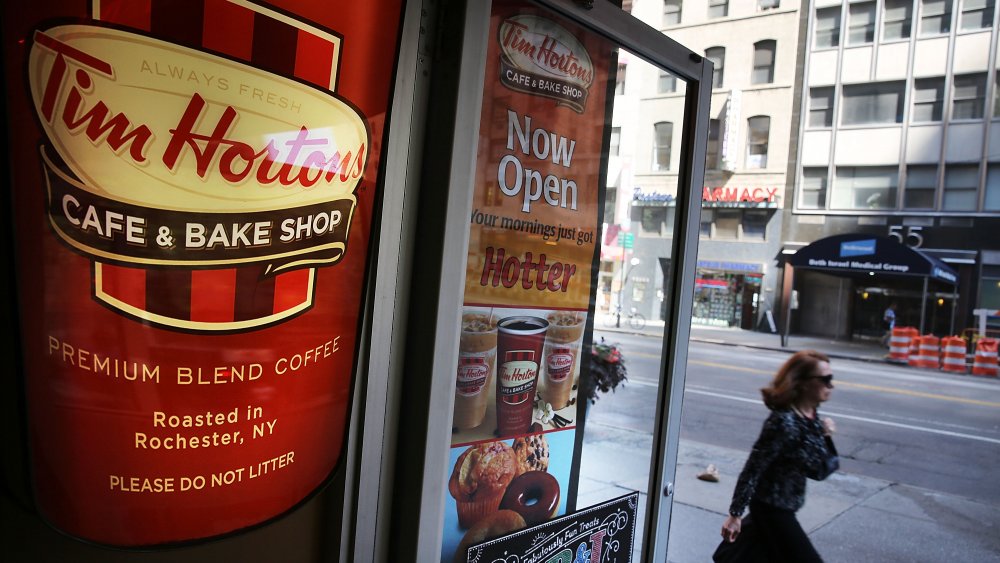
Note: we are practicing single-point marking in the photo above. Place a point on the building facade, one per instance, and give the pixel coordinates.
(899, 136)
(753, 46)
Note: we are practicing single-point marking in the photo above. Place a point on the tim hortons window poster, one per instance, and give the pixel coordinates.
(532, 243)
(194, 184)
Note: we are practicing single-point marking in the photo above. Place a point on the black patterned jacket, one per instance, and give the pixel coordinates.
(789, 449)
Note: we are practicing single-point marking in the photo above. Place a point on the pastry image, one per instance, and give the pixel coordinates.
(532, 453)
(479, 479)
(499, 523)
(534, 495)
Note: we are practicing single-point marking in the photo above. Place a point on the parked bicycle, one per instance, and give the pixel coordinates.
(632, 318)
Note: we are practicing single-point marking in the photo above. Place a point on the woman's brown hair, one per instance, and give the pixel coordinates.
(788, 383)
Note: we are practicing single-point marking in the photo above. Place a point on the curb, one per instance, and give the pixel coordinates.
(837, 355)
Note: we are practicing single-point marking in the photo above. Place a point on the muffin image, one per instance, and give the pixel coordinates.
(479, 479)
(532, 453)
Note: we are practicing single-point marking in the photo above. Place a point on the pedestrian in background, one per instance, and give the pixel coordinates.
(888, 323)
(792, 446)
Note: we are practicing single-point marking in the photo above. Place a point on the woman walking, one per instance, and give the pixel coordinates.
(792, 446)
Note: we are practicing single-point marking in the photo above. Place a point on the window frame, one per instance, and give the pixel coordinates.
(906, 27)
(937, 103)
(671, 80)
(978, 102)
(909, 188)
(891, 172)
(716, 6)
(834, 30)
(751, 143)
(769, 49)
(620, 79)
(827, 111)
(713, 156)
(986, 18)
(668, 13)
(947, 190)
(660, 150)
(822, 191)
(945, 15)
(718, 70)
(868, 27)
(848, 97)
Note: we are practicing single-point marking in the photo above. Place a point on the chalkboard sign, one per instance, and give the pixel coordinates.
(604, 532)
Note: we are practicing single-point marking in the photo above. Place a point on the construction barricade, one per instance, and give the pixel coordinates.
(985, 360)
(899, 344)
(953, 354)
(914, 357)
(928, 353)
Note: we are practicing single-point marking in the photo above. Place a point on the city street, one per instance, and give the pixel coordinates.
(919, 450)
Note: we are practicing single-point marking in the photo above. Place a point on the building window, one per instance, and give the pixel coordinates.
(896, 19)
(712, 154)
(880, 102)
(666, 83)
(827, 27)
(861, 23)
(610, 202)
(763, 62)
(727, 223)
(865, 187)
(620, 80)
(718, 57)
(992, 202)
(768, 4)
(921, 186)
(928, 100)
(821, 107)
(814, 182)
(718, 8)
(754, 224)
(616, 140)
(663, 133)
(968, 95)
(758, 128)
(976, 14)
(935, 17)
(671, 12)
(961, 186)
(652, 221)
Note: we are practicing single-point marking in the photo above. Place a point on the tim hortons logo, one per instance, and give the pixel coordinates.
(541, 58)
(169, 156)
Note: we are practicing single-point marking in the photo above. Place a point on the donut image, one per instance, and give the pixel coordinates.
(534, 495)
(499, 523)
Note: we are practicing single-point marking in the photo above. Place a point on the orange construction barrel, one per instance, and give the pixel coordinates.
(985, 360)
(929, 355)
(914, 357)
(899, 344)
(953, 354)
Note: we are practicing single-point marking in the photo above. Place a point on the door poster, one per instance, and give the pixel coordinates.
(194, 184)
(533, 231)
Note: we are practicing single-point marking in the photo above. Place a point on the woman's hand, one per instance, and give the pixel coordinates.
(731, 528)
(829, 427)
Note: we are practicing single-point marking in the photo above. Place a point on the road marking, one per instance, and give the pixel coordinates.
(842, 383)
(859, 418)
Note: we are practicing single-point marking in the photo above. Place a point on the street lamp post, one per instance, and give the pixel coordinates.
(621, 291)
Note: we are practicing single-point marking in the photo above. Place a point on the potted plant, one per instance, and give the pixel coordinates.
(607, 369)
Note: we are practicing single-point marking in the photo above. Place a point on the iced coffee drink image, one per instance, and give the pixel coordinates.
(559, 357)
(477, 354)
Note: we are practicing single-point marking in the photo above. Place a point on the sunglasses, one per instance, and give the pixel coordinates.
(826, 379)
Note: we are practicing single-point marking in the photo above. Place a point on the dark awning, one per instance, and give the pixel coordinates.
(858, 253)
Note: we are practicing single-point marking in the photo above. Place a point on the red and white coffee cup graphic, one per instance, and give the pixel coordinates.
(519, 351)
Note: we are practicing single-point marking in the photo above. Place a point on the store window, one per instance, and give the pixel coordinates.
(968, 96)
(718, 8)
(861, 23)
(712, 153)
(820, 107)
(928, 100)
(666, 83)
(620, 80)
(897, 18)
(879, 102)
(718, 57)
(992, 202)
(961, 186)
(865, 187)
(827, 33)
(652, 221)
(935, 17)
(727, 224)
(758, 129)
(663, 133)
(671, 12)
(754, 224)
(814, 184)
(976, 14)
(921, 186)
(763, 62)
